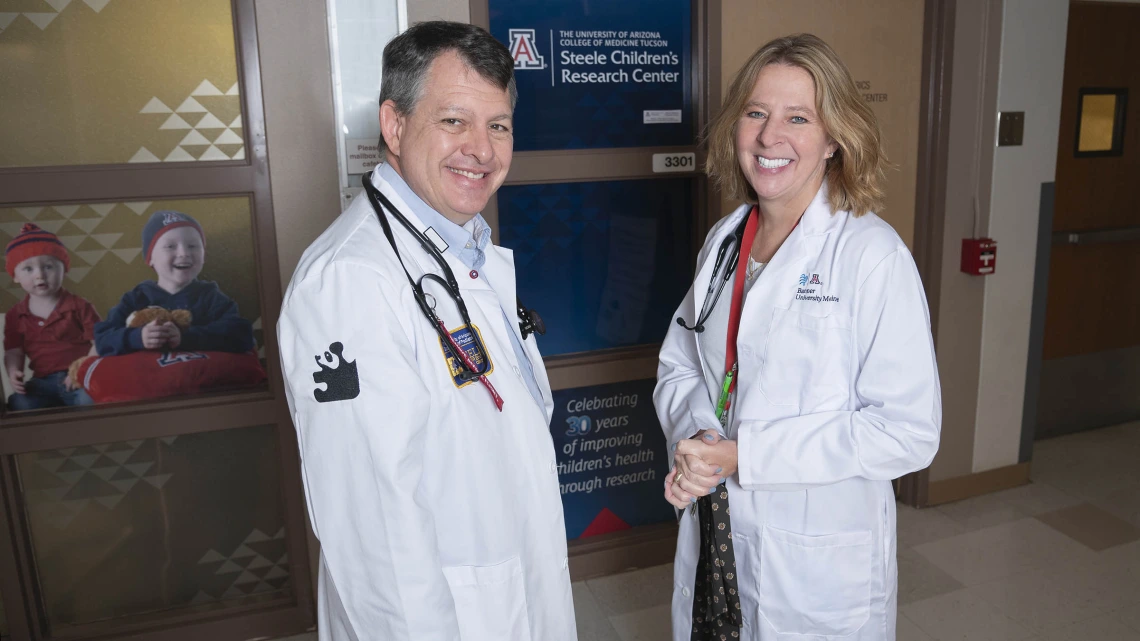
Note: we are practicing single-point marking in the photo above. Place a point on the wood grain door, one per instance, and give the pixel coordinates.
(1091, 359)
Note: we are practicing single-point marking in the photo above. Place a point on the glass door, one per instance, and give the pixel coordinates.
(150, 482)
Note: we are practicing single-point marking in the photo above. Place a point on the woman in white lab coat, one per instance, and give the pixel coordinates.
(834, 388)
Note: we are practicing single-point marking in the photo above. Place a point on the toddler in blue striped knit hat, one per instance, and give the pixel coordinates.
(174, 245)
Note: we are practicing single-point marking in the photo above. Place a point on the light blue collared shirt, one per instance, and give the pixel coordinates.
(467, 243)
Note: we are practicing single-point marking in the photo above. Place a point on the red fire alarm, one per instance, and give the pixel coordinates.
(979, 256)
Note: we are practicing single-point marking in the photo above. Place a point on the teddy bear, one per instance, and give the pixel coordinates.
(180, 317)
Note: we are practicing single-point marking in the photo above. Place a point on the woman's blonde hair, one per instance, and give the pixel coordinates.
(856, 172)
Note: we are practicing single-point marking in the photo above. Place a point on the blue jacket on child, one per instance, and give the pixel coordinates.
(214, 326)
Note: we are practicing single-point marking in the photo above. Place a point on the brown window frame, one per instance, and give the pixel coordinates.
(62, 428)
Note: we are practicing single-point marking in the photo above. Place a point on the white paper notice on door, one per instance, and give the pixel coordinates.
(660, 116)
(361, 155)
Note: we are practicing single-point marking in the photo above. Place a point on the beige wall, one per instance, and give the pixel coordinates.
(421, 10)
(977, 49)
(296, 82)
(881, 43)
(300, 122)
(983, 324)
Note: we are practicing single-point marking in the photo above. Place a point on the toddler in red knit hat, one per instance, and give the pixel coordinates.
(51, 327)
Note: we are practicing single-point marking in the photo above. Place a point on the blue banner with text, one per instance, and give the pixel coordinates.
(612, 460)
(596, 75)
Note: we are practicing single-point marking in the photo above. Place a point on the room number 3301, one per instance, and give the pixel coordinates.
(674, 162)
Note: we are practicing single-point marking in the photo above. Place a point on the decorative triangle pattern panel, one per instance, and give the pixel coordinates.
(41, 20)
(207, 88)
(212, 522)
(127, 64)
(144, 155)
(58, 5)
(155, 106)
(88, 224)
(6, 18)
(190, 106)
(205, 106)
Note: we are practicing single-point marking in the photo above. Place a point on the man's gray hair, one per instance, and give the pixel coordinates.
(408, 58)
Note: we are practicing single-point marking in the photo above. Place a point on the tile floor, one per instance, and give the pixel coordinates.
(1056, 560)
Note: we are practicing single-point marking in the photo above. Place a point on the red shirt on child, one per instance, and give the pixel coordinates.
(52, 343)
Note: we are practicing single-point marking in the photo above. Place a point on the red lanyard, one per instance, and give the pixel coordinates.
(738, 289)
(734, 316)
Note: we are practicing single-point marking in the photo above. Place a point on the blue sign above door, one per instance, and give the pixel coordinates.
(596, 75)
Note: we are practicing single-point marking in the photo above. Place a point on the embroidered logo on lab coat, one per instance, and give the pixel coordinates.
(813, 294)
(342, 382)
(466, 342)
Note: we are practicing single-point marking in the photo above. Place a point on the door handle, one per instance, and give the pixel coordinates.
(1098, 236)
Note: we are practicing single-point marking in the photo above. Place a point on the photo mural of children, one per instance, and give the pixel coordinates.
(174, 245)
(51, 327)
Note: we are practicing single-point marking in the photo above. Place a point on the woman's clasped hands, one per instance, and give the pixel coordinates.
(700, 464)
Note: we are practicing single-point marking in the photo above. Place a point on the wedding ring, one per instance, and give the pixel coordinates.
(677, 478)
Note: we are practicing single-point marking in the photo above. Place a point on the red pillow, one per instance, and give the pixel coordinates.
(148, 375)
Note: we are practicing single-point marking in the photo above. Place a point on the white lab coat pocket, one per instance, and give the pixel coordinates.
(815, 585)
(807, 360)
(490, 601)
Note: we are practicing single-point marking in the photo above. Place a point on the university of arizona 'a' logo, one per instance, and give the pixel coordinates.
(814, 280)
(523, 50)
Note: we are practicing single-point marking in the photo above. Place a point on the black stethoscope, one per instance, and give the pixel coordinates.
(529, 320)
(730, 249)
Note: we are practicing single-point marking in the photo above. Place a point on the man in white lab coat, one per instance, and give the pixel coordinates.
(433, 491)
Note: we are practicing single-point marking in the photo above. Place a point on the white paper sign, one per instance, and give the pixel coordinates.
(659, 116)
(361, 155)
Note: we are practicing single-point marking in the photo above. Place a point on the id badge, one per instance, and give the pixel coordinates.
(466, 340)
